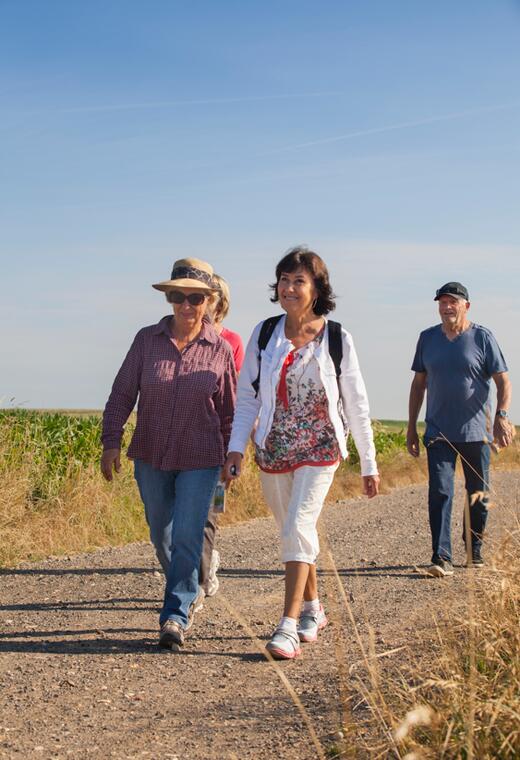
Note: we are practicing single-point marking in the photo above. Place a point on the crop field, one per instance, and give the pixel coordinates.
(55, 501)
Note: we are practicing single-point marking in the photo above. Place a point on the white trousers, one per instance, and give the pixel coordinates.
(296, 499)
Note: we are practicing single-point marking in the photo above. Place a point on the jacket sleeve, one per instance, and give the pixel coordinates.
(355, 405)
(224, 398)
(123, 395)
(247, 406)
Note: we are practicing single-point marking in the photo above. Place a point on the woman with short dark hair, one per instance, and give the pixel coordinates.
(302, 410)
(302, 258)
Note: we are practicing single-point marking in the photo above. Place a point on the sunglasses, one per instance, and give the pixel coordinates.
(194, 299)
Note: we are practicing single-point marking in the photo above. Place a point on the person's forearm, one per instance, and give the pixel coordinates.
(503, 431)
(115, 416)
(414, 404)
(504, 392)
(123, 395)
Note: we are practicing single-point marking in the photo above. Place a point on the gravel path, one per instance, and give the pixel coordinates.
(81, 674)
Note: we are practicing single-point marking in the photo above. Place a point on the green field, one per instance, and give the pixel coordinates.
(53, 499)
(54, 445)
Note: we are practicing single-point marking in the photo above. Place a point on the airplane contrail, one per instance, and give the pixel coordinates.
(195, 102)
(392, 127)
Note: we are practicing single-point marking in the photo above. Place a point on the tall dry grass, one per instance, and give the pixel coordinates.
(454, 690)
(54, 501)
(81, 516)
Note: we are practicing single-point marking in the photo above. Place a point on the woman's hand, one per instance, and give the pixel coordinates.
(110, 460)
(232, 467)
(370, 485)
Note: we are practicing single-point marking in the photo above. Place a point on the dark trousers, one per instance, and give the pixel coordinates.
(210, 531)
(442, 457)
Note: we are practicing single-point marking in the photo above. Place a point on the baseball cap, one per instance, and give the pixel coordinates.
(455, 289)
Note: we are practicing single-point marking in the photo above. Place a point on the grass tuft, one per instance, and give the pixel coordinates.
(456, 693)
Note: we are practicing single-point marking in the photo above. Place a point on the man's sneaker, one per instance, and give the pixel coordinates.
(440, 568)
(476, 559)
(311, 623)
(213, 582)
(171, 635)
(284, 645)
(196, 606)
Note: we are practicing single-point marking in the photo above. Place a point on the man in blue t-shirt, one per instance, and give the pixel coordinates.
(454, 364)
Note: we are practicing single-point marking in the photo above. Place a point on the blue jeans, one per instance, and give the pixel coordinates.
(442, 457)
(176, 505)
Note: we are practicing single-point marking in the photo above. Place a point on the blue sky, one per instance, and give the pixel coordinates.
(385, 135)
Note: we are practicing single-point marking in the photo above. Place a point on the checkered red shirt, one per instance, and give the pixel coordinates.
(186, 400)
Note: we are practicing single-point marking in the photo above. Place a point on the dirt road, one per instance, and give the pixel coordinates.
(81, 674)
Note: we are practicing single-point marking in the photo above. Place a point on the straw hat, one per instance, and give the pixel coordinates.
(190, 273)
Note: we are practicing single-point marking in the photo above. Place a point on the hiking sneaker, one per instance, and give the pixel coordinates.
(284, 645)
(311, 623)
(440, 568)
(476, 559)
(171, 635)
(196, 606)
(213, 581)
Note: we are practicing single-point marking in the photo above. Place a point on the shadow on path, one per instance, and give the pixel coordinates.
(110, 646)
(129, 604)
(77, 570)
(397, 571)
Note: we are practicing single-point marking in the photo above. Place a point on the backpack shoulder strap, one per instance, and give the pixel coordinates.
(335, 345)
(264, 337)
(267, 330)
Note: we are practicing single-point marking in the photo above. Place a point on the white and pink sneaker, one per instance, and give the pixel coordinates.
(311, 623)
(284, 645)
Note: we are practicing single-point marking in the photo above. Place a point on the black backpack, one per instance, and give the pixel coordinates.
(335, 345)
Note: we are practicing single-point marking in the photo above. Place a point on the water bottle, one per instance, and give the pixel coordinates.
(219, 498)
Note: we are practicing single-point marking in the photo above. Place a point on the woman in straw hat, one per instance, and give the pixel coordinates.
(184, 376)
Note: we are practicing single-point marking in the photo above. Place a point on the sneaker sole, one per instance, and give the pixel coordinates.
(170, 642)
(197, 606)
(279, 654)
(213, 581)
(437, 572)
(308, 639)
(213, 586)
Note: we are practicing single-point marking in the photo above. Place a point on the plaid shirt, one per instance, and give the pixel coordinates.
(186, 399)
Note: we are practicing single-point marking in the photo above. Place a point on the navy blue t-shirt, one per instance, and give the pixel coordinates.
(458, 378)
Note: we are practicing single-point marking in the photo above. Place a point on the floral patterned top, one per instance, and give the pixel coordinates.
(301, 433)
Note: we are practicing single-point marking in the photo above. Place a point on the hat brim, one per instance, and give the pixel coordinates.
(451, 295)
(183, 283)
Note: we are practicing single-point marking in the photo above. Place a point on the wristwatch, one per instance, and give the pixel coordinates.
(501, 413)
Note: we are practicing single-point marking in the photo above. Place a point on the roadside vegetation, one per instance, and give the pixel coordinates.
(54, 501)
(454, 693)
(454, 690)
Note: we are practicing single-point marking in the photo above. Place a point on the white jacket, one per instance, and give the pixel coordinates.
(354, 402)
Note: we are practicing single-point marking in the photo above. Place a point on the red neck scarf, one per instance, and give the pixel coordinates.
(282, 385)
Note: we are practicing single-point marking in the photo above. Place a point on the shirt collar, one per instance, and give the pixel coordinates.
(207, 332)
